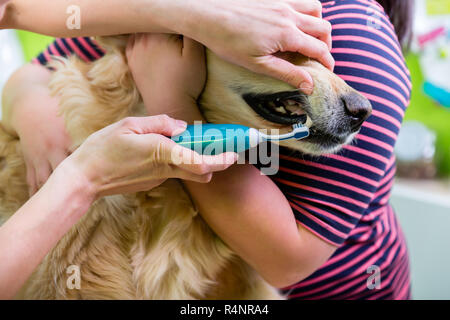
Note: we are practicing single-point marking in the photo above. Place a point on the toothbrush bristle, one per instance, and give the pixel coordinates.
(300, 131)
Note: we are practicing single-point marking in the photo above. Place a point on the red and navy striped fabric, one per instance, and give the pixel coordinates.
(344, 198)
(85, 48)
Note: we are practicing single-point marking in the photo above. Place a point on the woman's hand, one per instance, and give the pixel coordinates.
(135, 155)
(128, 156)
(170, 73)
(43, 140)
(31, 113)
(250, 33)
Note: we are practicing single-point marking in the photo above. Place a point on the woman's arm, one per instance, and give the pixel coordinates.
(247, 33)
(250, 213)
(96, 17)
(32, 231)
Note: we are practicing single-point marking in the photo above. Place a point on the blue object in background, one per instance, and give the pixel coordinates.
(438, 94)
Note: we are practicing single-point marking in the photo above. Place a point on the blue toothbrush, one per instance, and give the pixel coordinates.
(212, 139)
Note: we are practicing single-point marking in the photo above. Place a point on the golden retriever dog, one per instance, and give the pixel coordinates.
(155, 245)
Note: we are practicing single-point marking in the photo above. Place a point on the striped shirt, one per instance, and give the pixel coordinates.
(343, 198)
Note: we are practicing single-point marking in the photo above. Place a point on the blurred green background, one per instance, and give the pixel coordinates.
(33, 43)
(434, 116)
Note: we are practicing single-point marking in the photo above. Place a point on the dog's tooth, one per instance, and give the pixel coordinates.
(295, 110)
(291, 102)
(281, 110)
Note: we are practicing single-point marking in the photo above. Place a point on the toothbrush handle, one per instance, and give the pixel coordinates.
(213, 139)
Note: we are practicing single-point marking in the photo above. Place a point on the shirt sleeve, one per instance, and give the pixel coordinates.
(84, 48)
(331, 194)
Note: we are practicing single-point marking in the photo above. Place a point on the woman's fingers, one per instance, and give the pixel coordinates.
(310, 7)
(200, 168)
(312, 39)
(186, 175)
(161, 124)
(315, 27)
(263, 28)
(285, 71)
(195, 163)
(315, 45)
(310, 47)
(154, 132)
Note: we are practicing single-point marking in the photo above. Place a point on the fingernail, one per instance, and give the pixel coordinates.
(181, 127)
(231, 158)
(306, 88)
(181, 123)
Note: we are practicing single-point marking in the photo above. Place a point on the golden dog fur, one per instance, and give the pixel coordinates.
(151, 245)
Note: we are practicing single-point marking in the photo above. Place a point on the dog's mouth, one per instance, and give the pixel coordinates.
(286, 108)
(326, 139)
(291, 107)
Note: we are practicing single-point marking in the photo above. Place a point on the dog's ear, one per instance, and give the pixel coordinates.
(113, 43)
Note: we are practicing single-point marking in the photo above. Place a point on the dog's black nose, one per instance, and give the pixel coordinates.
(358, 108)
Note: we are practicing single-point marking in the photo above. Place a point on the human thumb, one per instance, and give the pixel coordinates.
(161, 124)
(285, 71)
